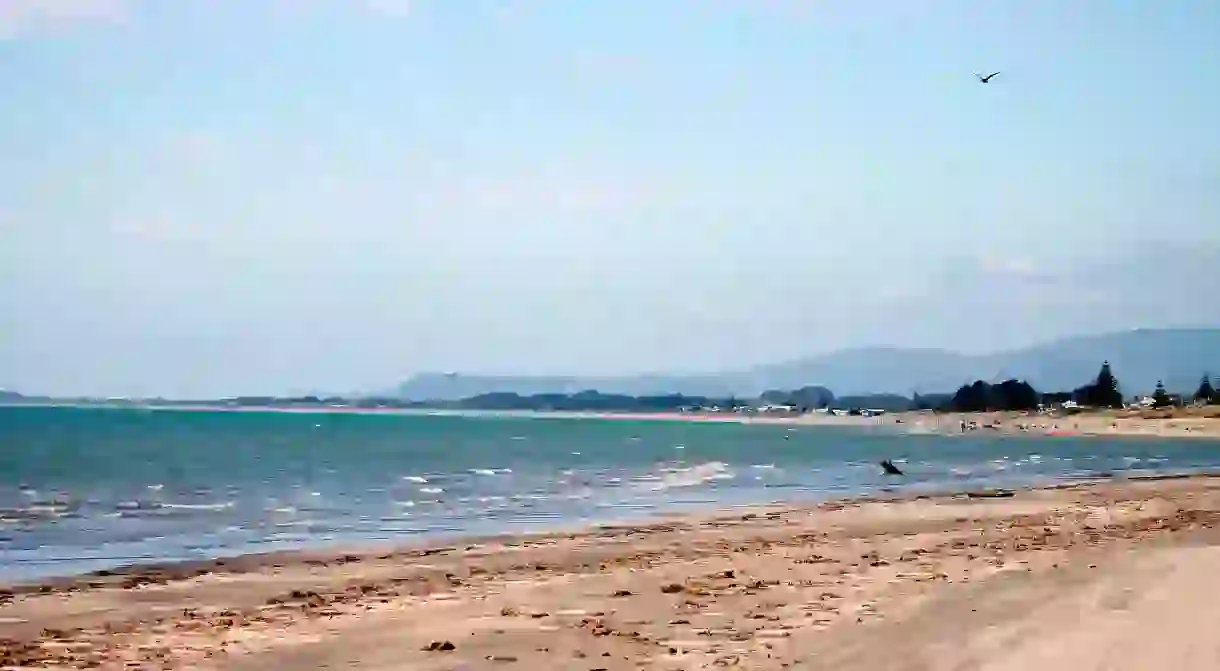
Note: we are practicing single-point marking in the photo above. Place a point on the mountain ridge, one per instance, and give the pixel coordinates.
(1140, 357)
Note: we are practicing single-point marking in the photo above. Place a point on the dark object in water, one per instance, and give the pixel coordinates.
(889, 467)
(991, 494)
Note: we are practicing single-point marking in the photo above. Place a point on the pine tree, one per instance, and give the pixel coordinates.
(1160, 398)
(1105, 392)
(1206, 392)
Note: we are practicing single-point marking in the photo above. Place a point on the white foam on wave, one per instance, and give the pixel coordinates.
(418, 479)
(39, 511)
(695, 475)
(199, 506)
(431, 490)
(295, 523)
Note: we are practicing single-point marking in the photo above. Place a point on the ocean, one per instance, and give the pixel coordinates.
(83, 489)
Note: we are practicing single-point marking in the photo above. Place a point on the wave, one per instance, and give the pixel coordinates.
(198, 506)
(695, 476)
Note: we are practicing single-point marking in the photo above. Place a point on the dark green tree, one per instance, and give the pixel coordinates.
(1160, 397)
(1104, 392)
(1206, 392)
(976, 397)
(1015, 395)
(1007, 395)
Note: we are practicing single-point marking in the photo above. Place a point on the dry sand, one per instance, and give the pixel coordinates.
(1116, 575)
(1203, 422)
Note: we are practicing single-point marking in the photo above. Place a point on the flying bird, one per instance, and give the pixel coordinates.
(987, 78)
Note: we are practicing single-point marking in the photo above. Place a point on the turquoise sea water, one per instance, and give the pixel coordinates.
(88, 488)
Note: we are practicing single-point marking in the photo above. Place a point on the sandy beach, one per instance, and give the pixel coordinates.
(1112, 575)
(1200, 422)
(1188, 422)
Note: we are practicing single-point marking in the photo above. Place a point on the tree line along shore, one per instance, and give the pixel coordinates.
(1103, 392)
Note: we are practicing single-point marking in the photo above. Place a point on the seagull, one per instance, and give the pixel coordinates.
(987, 78)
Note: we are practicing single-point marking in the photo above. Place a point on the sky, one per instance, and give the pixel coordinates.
(213, 197)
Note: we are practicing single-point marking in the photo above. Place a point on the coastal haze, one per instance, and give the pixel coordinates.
(1175, 358)
(203, 199)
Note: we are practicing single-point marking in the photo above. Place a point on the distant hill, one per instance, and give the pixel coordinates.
(1140, 358)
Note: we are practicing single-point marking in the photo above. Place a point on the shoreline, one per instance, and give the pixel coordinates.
(634, 584)
(1189, 422)
(38, 569)
(254, 561)
(152, 568)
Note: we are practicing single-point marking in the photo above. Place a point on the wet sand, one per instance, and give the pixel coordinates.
(1114, 575)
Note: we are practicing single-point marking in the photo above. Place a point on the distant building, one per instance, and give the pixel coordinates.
(1175, 400)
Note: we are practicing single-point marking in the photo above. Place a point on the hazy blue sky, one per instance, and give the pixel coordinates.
(207, 197)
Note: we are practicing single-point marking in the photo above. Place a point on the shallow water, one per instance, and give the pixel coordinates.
(88, 488)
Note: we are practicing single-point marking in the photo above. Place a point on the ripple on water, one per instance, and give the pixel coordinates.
(383, 478)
